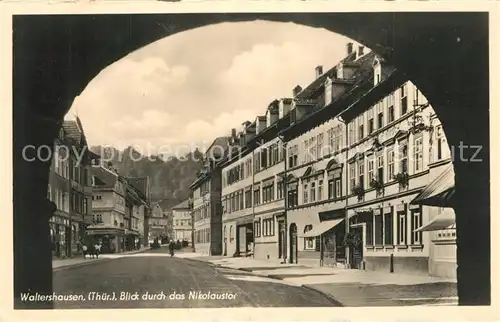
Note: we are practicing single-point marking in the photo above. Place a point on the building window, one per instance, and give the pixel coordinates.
(331, 188)
(263, 159)
(241, 199)
(390, 165)
(379, 229)
(257, 231)
(293, 196)
(371, 121)
(390, 104)
(404, 100)
(388, 229)
(312, 149)
(309, 242)
(280, 189)
(248, 198)
(416, 222)
(380, 114)
(338, 188)
(352, 133)
(257, 161)
(361, 174)
(403, 167)
(418, 154)
(268, 224)
(313, 191)
(319, 146)
(231, 234)
(352, 175)
(369, 231)
(293, 155)
(402, 228)
(371, 174)
(305, 198)
(380, 168)
(85, 206)
(361, 127)
(320, 189)
(439, 142)
(256, 196)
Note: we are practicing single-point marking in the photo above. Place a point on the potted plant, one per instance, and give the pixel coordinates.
(402, 178)
(376, 185)
(358, 191)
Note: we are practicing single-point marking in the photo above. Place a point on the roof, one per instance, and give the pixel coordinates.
(141, 184)
(71, 130)
(182, 205)
(315, 85)
(440, 191)
(74, 130)
(104, 177)
(221, 142)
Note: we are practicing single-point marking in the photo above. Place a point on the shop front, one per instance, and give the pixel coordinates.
(59, 237)
(245, 236)
(112, 240)
(325, 239)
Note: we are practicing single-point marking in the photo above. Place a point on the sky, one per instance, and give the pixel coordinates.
(186, 89)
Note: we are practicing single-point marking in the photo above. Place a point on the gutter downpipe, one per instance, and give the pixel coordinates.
(346, 175)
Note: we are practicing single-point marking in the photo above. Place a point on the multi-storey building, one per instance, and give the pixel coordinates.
(237, 183)
(70, 189)
(109, 209)
(252, 195)
(316, 155)
(142, 210)
(268, 190)
(437, 196)
(158, 224)
(182, 222)
(207, 205)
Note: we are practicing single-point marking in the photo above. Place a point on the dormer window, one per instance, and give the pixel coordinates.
(340, 71)
(328, 91)
(377, 72)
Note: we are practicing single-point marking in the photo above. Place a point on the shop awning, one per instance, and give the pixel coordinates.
(443, 221)
(439, 192)
(322, 227)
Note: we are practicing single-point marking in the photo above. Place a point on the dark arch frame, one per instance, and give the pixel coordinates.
(445, 54)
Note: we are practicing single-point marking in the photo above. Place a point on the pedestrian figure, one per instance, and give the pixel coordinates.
(85, 250)
(171, 247)
(97, 250)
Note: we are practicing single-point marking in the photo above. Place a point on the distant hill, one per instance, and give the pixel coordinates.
(170, 179)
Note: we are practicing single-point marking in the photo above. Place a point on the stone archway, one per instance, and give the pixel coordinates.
(444, 54)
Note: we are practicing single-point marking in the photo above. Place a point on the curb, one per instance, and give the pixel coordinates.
(90, 262)
(308, 287)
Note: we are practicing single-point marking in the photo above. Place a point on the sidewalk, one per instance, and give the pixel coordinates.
(353, 287)
(58, 264)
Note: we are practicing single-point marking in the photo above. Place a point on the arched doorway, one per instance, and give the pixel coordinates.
(432, 48)
(293, 243)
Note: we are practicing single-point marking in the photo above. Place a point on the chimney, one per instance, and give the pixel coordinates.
(233, 133)
(319, 71)
(349, 48)
(361, 51)
(297, 89)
